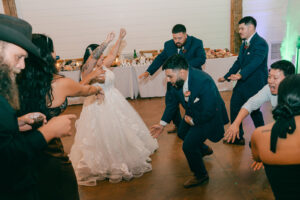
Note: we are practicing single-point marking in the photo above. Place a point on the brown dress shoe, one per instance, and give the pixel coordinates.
(207, 151)
(194, 181)
(174, 130)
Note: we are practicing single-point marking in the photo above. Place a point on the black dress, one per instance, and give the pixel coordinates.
(18, 151)
(284, 180)
(56, 177)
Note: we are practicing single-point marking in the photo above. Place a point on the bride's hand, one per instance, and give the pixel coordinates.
(100, 98)
(110, 37)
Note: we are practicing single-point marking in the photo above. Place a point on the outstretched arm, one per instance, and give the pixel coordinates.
(92, 60)
(114, 51)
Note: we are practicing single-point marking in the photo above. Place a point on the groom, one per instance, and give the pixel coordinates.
(205, 114)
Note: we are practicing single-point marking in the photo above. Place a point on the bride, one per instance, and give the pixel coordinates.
(112, 140)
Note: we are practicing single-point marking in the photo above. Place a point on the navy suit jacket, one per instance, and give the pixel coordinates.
(193, 52)
(205, 105)
(253, 65)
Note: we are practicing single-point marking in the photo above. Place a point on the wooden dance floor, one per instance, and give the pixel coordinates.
(229, 167)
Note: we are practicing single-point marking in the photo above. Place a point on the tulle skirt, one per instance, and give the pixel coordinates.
(111, 142)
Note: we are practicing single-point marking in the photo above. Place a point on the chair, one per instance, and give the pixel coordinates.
(153, 52)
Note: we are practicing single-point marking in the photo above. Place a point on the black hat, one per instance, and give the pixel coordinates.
(18, 32)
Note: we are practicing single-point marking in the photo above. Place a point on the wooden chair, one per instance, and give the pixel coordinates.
(153, 52)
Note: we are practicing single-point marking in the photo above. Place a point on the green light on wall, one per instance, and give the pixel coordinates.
(297, 56)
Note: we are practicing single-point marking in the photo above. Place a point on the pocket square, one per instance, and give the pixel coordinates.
(248, 53)
(196, 100)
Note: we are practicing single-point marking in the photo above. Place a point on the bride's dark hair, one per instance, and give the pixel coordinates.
(35, 80)
(288, 107)
(89, 49)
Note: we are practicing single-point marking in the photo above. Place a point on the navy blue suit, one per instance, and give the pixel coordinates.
(208, 112)
(252, 63)
(192, 51)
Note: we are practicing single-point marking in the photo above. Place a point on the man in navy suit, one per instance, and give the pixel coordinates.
(250, 70)
(192, 50)
(205, 113)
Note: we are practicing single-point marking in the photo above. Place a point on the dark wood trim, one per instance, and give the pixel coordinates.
(236, 13)
(9, 7)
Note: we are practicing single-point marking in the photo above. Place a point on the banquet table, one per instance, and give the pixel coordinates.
(127, 82)
(217, 68)
(154, 86)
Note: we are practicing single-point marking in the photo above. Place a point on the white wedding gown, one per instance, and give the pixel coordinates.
(111, 140)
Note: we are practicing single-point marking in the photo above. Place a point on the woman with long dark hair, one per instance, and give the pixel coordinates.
(277, 144)
(43, 90)
(111, 140)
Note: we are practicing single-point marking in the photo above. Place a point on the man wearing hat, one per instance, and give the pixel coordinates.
(18, 151)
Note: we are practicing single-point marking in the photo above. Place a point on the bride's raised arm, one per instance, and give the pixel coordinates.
(95, 55)
(114, 51)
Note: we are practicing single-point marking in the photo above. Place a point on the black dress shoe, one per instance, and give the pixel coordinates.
(236, 141)
(174, 130)
(194, 181)
(207, 152)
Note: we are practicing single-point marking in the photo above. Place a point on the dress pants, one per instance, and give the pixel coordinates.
(176, 118)
(237, 101)
(193, 144)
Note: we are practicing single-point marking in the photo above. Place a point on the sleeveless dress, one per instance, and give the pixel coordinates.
(284, 180)
(55, 174)
(111, 141)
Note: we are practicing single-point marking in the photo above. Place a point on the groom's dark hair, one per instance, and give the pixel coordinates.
(176, 62)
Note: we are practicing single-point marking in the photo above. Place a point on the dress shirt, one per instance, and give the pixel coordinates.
(261, 97)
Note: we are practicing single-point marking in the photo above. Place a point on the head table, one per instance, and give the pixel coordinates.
(127, 82)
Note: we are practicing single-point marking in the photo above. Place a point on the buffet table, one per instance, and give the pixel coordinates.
(153, 86)
(217, 68)
(127, 82)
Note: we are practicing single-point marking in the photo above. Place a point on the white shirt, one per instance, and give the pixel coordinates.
(261, 97)
(185, 87)
(249, 39)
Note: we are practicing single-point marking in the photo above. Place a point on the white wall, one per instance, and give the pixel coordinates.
(270, 16)
(1, 8)
(73, 24)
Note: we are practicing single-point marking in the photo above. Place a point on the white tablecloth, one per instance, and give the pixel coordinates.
(154, 86)
(217, 68)
(127, 82)
(75, 75)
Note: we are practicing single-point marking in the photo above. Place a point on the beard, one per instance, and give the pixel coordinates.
(179, 45)
(179, 84)
(8, 86)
